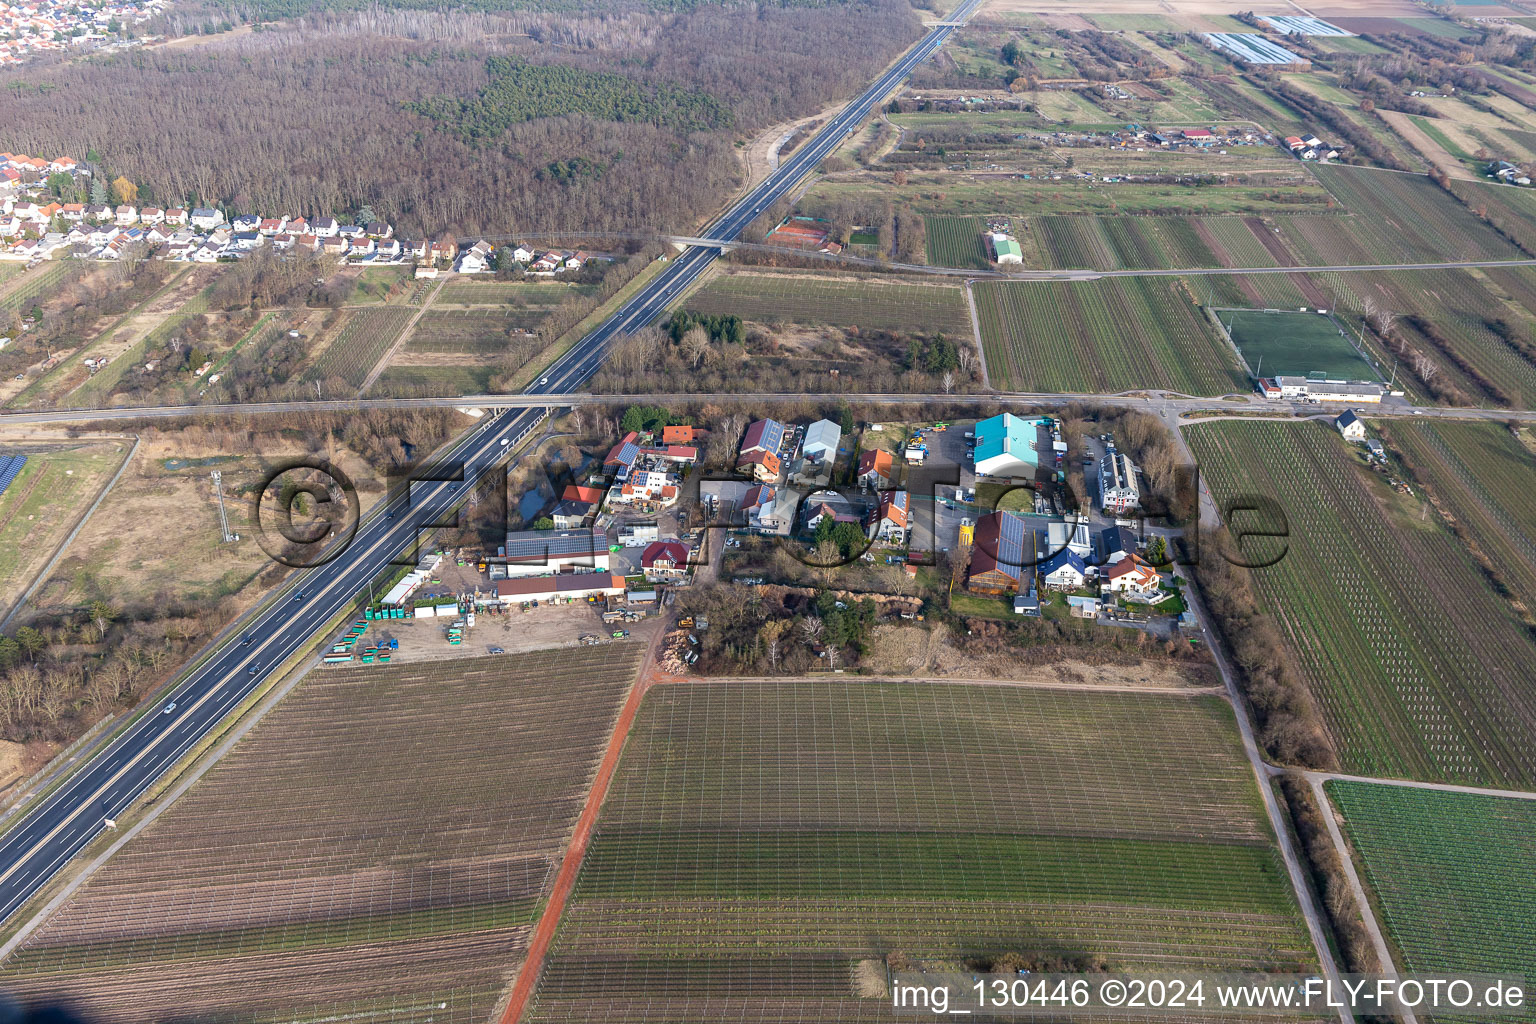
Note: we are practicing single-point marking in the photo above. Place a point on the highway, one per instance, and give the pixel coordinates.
(63, 822)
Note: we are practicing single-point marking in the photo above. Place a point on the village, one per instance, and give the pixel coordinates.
(29, 30)
(35, 226)
(808, 507)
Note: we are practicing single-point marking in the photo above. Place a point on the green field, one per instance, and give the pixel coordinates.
(1453, 874)
(40, 506)
(761, 840)
(1100, 336)
(1421, 669)
(374, 851)
(773, 298)
(1294, 344)
(956, 242)
(434, 380)
(461, 292)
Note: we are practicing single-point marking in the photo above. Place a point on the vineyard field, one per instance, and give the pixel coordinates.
(472, 331)
(1421, 669)
(1482, 474)
(1394, 218)
(469, 292)
(360, 345)
(1454, 875)
(874, 305)
(1148, 243)
(956, 242)
(374, 851)
(1112, 335)
(759, 841)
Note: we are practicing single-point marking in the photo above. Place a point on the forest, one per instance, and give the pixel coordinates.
(456, 121)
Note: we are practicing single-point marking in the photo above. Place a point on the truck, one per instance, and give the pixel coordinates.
(686, 622)
(337, 659)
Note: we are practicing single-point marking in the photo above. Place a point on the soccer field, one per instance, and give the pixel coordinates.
(1294, 344)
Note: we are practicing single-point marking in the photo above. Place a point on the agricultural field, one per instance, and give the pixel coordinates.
(532, 294)
(1453, 875)
(844, 302)
(367, 336)
(1395, 218)
(382, 284)
(761, 841)
(1148, 243)
(471, 332)
(42, 504)
(1481, 474)
(956, 242)
(375, 850)
(18, 291)
(1420, 667)
(1294, 344)
(1100, 336)
(1462, 306)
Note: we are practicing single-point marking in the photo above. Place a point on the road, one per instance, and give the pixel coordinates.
(64, 821)
(1157, 403)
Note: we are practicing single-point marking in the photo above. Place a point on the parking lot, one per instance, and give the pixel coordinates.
(936, 512)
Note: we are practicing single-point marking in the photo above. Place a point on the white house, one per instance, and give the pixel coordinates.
(1131, 574)
(522, 254)
(126, 216)
(324, 227)
(892, 523)
(1350, 426)
(206, 218)
(1118, 491)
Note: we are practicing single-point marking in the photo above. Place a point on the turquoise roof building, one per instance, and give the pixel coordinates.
(1005, 447)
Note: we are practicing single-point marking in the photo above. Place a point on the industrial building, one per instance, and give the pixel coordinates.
(573, 585)
(534, 552)
(1005, 447)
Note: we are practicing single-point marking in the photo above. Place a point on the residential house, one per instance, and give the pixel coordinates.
(246, 222)
(679, 434)
(324, 227)
(1118, 490)
(387, 248)
(891, 521)
(350, 231)
(622, 457)
(1070, 534)
(522, 254)
(665, 558)
(1132, 574)
(72, 212)
(63, 164)
(1350, 425)
(829, 504)
(647, 487)
(577, 505)
(270, 226)
(1064, 571)
(766, 510)
(151, 215)
(762, 466)
(206, 219)
(333, 245)
(378, 229)
(472, 262)
(876, 469)
(1027, 603)
(763, 435)
(176, 216)
(360, 245)
(1116, 543)
(297, 226)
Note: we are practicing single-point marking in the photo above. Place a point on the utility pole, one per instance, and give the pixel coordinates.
(218, 489)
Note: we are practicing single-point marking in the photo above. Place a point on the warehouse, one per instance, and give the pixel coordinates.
(534, 552)
(577, 586)
(1005, 447)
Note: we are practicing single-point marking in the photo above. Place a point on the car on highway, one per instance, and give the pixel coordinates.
(168, 708)
(251, 671)
(249, 638)
(543, 381)
(506, 441)
(299, 596)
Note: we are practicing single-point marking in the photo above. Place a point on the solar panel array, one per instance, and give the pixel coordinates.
(10, 468)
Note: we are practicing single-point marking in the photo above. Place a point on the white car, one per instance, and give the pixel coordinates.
(506, 441)
(543, 381)
(169, 708)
